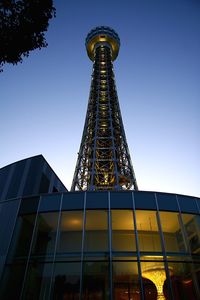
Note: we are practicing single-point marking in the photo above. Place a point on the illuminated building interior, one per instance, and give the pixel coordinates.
(73, 246)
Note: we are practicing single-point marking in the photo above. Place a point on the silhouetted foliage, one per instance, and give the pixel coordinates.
(22, 27)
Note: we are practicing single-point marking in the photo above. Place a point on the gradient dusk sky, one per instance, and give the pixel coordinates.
(44, 99)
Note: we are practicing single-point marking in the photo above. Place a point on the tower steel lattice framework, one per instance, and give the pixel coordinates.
(104, 161)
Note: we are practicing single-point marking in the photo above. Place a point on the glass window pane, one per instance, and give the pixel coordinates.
(50, 202)
(167, 201)
(95, 281)
(96, 200)
(198, 204)
(73, 201)
(183, 277)
(123, 236)
(125, 281)
(31, 179)
(16, 179)
(22, 236)
(154, 280)
(45, 234)
(96, 231)
(187, 204)
(44, 184)
(172, 232)
(121, 200)
(148, 234)
(29, 205)
(70, 232)
(144, 200)
(8, 212)
(11, 281)
(192, 228)
(38, 280)
(66, 283)
(4, 175)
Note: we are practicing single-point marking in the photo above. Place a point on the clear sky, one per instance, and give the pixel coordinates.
(43, 101)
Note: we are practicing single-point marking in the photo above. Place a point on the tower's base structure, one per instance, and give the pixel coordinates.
(104, 240)
(56, 244)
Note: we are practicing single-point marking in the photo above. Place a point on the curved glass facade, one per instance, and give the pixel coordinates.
(104, 245)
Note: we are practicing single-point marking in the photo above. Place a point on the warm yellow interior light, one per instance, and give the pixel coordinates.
(157, 276)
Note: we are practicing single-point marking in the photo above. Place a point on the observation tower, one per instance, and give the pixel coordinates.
(104, 161)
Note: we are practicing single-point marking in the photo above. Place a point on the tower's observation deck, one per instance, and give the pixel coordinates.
(103, 161)
(102, 36)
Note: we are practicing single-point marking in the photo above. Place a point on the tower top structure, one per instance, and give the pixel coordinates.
(102, 35)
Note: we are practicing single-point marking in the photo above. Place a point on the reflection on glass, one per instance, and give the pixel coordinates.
(50, 202)
(123, 236)
(154, 277)
(148, 234)
(38, 281)
(172, 232)
(45, 234)
(125, 281)
(11, 282)
(66, 283)
(192, 228)
(96, 231)
(21, 240)
(183, 278)
(95, 281)
(70, 231)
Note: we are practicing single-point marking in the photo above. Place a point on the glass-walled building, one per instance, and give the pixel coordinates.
(102, 245)
(24, 178)
(29, 176)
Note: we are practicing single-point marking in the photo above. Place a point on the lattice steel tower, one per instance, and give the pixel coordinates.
(104, 161)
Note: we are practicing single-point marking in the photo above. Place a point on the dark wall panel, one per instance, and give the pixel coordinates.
(8, 212)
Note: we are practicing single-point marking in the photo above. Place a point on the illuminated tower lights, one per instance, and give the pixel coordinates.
(104, 161)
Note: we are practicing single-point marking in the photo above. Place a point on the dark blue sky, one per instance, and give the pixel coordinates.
(44, 99)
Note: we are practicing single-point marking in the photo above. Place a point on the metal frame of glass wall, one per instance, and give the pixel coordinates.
(105, 245)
